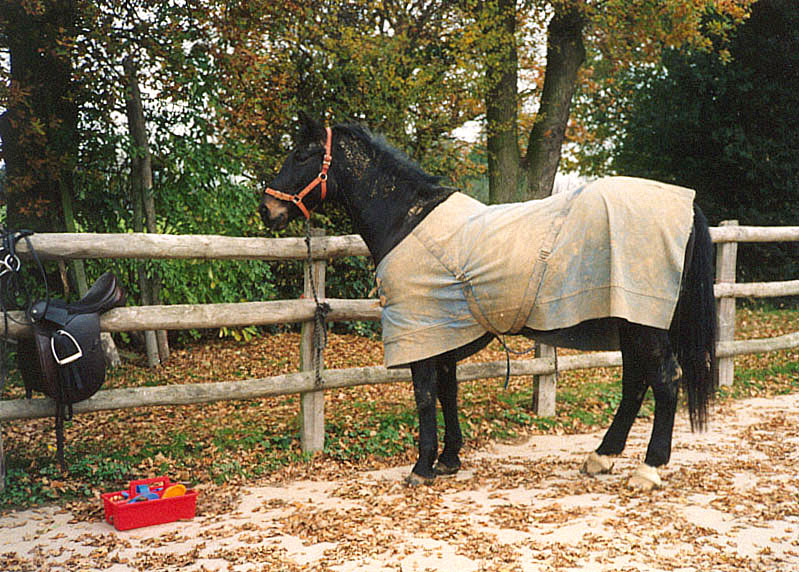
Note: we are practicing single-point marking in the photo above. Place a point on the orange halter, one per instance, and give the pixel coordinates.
(321, 178)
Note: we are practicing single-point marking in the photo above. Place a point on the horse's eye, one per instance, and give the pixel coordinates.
(304, 157)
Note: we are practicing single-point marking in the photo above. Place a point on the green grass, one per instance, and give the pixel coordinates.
(381, 435)
(748, 382)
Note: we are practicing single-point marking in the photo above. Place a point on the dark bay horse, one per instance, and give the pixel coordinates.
(388, 197)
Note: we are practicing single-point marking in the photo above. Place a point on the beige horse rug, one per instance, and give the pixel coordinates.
(612, 248)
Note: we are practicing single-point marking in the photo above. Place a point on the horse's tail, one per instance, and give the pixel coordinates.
(694, 326)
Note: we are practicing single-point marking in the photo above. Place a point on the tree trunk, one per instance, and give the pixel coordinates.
(501, 107)
(565, 55)
(39, 126)
(78, 269)
(142, 185)
(2, 463)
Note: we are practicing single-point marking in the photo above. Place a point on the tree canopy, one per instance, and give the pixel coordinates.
(581, 36)
(724, 123)
(222, 83)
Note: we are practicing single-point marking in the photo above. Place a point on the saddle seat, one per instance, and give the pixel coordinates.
(104, 294)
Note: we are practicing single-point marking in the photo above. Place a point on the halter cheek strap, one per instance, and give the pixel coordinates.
(321, 179)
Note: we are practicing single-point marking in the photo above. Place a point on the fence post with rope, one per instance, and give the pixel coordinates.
(312, 405)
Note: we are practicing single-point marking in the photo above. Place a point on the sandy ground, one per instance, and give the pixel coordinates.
(730, 502)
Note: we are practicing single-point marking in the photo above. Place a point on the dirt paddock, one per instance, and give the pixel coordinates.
(730, 502)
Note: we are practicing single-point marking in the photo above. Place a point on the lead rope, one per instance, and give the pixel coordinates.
(509, 351)
(320, 314)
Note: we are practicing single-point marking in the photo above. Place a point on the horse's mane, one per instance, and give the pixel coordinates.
(393, 161)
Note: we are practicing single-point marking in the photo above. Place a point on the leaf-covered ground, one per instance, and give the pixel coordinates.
(730, 503)
(232, 443)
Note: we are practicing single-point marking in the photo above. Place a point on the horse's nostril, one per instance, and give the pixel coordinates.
(263, 210)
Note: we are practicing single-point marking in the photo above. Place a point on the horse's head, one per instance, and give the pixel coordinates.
(303, 181)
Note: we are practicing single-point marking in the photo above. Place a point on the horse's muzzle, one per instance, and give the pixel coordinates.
(274, 213)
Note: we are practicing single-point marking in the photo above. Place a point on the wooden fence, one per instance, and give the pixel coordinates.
(187, 316)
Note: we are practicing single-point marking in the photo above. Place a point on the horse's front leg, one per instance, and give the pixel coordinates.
(448, 462)
(425, 390)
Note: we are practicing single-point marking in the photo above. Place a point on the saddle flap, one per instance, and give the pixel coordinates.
(38, 372)
(66, 363)
(65, 360)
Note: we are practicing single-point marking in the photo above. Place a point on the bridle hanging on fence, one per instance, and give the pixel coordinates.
(321, 179)
(14, 293)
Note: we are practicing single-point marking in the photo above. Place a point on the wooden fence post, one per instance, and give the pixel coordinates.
(726, 255)
(312, 408)
(545, 386)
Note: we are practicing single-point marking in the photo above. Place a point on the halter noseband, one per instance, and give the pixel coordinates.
(321, 178)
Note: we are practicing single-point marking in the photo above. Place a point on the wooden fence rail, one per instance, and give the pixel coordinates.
(302, 382)
(233, 315)
(199, 246)
(188, 316)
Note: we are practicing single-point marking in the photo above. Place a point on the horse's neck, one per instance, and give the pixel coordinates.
(384, 213)
(386, 199)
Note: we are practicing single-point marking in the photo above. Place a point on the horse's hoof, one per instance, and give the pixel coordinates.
(414, 480)
(645, 478)
(596, 464)
(444, 470)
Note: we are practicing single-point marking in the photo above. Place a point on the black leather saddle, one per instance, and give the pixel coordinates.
(65, 359)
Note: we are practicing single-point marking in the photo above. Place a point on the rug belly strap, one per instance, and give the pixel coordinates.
(476, 310)
(497, 255)
(431, 244)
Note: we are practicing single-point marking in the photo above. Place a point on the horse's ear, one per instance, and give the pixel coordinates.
(310, 129)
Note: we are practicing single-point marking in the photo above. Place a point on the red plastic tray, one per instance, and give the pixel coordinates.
(124, 515)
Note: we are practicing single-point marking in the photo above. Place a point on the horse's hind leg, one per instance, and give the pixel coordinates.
(634, 388)
(448, 462)
(665, 386)
(648, 361)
